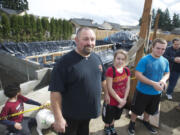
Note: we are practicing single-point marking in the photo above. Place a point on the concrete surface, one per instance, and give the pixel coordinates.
(23, 69)
(41, 79)
(97, 125)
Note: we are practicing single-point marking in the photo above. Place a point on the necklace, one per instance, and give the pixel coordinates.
(120, 70)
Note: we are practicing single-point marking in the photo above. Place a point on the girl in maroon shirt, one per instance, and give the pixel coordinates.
(118, 84)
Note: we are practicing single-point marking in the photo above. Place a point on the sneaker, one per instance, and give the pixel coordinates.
(131, 128)
(169, 96)
(107, 130)
(11, 134)
(149, 127)
(113, 131)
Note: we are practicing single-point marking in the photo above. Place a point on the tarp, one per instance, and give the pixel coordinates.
(35, 48)
(23, 50)
(123, 39)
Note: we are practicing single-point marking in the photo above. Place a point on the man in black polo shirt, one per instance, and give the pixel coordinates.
(76, 86)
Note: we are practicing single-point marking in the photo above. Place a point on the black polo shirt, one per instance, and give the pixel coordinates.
(78, 79)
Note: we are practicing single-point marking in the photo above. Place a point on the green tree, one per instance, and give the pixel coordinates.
(175, 21)
(60, 28)
(153, 18)
(39, 29)
(16, 4)
(161, 18)
(167, 21)
(33, 28)
(57, 27)
(0, 31)
(45, 26)
(70, 30)
(14, 26)
(45, 23)
(65, 29)
(21, 33)
(23, 5)
(52, 28)
(5, 26)
(27, 26)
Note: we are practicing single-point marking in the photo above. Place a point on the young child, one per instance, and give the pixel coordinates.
(118, 84)
(18, 124)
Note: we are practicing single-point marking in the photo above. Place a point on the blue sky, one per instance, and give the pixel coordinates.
(124, 12)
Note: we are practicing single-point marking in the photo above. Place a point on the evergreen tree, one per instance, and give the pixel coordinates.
(32, 23)
(161, 18)
(45, 26)
(33, 27)
(45, 23)
(57, 37)
(27, 25)
(16, 4)
(39, 29)
(65, 30)
(60, 30)
(70, 30)
(175, 21)
(5, 26)
(39, 25)
(14, 25)
(23, 5)
(0, 31)
(167, 21)
(20, 28)
(52, 28)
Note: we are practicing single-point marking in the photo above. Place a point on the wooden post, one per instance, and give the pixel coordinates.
(156, 26)
(146, 46)
(154, 120)
(44, 59)
(155, 29)
(142, 34)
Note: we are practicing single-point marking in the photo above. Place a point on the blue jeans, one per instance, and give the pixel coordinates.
(27, 124)
(174, 76)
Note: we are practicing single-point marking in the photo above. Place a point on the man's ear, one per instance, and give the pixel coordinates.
(76, 39)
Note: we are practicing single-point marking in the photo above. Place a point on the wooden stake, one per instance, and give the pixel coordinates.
(156, 26)
(142, 35)
(154, 120)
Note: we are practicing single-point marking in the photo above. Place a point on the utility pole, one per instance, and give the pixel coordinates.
(145, 25)
(142, 35)
(156, 26)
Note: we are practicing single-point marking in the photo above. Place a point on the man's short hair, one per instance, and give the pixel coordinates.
(11, 90)
(81, 29)
(175, 39)
(158, 40)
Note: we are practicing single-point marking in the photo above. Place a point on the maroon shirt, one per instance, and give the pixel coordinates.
(14, 107)
(119, 83)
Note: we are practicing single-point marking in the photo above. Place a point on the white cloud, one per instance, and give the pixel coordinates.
(125, 12)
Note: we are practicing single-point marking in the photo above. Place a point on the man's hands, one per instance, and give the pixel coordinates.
(18, 126)
(159, 86)
(60, 126)
(177, 59)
